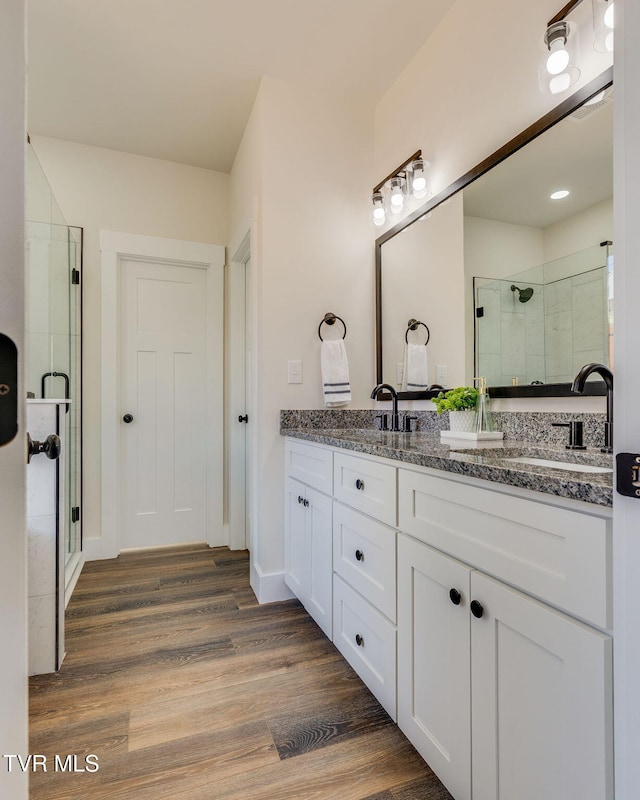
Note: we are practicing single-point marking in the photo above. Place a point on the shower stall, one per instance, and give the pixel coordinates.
(53, 362)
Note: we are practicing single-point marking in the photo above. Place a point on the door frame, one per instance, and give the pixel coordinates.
(239, 437)
(114, 248)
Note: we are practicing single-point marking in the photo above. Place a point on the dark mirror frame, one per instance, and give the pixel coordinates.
(554, 116)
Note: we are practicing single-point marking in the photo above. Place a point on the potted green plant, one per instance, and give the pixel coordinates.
(461, 404)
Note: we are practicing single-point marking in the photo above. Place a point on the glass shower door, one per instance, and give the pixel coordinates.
(54, 357)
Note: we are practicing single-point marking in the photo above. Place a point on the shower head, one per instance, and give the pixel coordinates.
(523, 294)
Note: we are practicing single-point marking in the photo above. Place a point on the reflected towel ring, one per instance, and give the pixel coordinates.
(413, 325)
(330, 319)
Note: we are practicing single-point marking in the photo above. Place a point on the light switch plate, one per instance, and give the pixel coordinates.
(294, 371)
(441, 374)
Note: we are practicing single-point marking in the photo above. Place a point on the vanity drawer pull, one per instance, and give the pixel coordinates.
(455, 597)
(360, 485)
(359, 555)
(359, 640)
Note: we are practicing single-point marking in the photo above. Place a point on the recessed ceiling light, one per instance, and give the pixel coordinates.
(559, 194)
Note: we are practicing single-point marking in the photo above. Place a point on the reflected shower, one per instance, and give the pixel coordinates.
(524, 295)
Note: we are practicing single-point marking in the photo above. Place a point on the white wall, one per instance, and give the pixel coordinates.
(13, 540)
(104, 189)
(626, 511)
(303, 169)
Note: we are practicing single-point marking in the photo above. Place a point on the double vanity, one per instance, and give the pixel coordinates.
(470, 589)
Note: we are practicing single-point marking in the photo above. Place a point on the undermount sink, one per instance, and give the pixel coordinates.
(545, 462)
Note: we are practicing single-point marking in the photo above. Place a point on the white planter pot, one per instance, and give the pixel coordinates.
(462, 421)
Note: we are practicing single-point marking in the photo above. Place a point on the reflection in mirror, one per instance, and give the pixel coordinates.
(557, 320)
(498, 227)
(542, 223)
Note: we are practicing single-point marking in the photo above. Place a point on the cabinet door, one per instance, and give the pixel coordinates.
(542, 701)
(319, 591)
(433, 662)
(296, 549)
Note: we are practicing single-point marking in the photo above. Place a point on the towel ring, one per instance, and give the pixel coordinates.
(330, 319)
(412, 325)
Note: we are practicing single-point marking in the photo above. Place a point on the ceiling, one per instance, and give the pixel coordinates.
(176, 79)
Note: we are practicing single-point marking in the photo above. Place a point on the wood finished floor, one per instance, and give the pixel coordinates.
(186, 689)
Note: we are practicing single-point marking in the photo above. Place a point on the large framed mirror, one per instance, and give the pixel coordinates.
(501, 279)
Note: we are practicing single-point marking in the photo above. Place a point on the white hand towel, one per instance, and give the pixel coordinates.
(415, 373)
(335, 373)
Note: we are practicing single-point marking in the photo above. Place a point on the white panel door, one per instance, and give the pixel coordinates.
(164, 380)
(542, 701)
(320, 557)
(433, 661)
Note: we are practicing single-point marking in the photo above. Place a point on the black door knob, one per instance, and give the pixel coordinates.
(455, 597)
(127, 418)
(359, 640)
(476, 609)
(244, 418)
(359, 555)
(51, 447)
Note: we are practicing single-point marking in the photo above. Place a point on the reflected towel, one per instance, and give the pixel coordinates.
(335, 373)
(415, 372)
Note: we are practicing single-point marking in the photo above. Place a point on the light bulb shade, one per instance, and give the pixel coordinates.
(419, 178)
(396, 194)
(558, 69)
(603, 17)
(379, 213)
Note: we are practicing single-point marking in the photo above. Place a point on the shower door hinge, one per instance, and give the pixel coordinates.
(75, 514)
(75, 276)
(480, 312)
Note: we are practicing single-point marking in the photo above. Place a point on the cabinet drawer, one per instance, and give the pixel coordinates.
(364, 554)
(368, 641)
(309, 463)
(369, 486)
(559, 555)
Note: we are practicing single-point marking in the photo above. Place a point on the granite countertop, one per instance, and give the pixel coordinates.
(487, 460)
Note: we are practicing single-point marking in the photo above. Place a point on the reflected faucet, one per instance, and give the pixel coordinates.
(607, 376)
(395, 420)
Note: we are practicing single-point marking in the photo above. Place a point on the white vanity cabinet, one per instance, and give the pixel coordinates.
(308, 531)
(478, 615)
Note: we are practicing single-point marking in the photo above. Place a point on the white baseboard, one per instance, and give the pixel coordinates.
(71, 585)
(98, 550)
(269, 588)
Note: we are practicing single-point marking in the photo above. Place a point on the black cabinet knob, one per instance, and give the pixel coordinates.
(244, 418)
(359, 555)
(359, 485)
(300, 499)
(455, 596)
(359, 640)
(306, 504)
(476, 609)
(127, 418)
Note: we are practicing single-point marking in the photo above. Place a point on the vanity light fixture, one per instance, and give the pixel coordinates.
(379, 211)
(397, 189)
(406, 184)
(603, 25)
(558, 70)
(560, 194)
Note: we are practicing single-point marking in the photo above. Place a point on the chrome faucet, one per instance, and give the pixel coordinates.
(607, 376)
(395, 419)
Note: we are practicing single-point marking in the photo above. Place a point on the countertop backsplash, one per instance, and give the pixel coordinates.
(517, 426)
